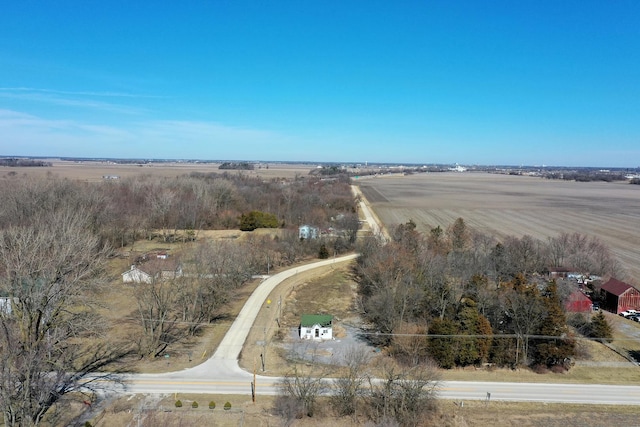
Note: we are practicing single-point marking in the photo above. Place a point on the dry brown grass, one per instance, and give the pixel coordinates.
(505, 414)
(299, 294)
(502, 205)
(128, 410)
(118, 306)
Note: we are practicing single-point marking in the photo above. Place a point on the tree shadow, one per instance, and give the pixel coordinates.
(635, 355)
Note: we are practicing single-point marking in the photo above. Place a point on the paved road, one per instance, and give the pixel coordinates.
(457, 390)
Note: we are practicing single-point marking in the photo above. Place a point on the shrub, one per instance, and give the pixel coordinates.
(323, 253)
(256, 219)
(212, 405)
(540, 369)
(194, 404)
(227, 406)
(178, 404)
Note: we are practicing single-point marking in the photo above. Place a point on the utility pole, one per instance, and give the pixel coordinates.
(263, 355)
(253, 384)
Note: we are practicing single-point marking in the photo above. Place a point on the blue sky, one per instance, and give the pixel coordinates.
(473, 82)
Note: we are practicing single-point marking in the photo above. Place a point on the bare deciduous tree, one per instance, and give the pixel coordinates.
(348, 389)
(584, 254)
(304, 386)
(156, 314)
(524, 312)
(50, 266)
(403, 395)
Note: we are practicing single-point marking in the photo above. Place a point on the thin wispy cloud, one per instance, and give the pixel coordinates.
(85, 100)
(27, 134)
(77, 93)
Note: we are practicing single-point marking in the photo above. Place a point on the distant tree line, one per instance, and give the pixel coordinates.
(586, 175)
(14, 162)
(236, 166)
(463, 298)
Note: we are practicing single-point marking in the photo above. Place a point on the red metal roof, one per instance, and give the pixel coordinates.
(616, 287)
(578, 296)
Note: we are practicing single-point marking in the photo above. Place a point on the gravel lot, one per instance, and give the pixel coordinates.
(331, 352)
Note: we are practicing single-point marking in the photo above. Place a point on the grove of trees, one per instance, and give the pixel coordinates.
(51, 266)
(396, 395)
(56, 237)
(463, 298)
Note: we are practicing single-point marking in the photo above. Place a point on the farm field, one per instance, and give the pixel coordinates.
(502, 205)
(95, 170)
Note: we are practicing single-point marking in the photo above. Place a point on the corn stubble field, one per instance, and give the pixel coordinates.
(503, 205)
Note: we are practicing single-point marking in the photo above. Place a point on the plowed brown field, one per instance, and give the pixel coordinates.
(502, 205)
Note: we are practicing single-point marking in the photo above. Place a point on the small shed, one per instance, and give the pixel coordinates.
(316, 326)
(619, 296)
(578, 302)
(558, 272)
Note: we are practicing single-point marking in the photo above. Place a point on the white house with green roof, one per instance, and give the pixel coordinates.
(316, 327)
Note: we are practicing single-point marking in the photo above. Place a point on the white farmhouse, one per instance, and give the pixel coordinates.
(307, 232)
(152, 270)
(316, 326)
(6, 305)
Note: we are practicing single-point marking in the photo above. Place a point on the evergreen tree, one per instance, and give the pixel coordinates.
(484, 344)
(256, 219)
(458, 235)
(442, 349)
(467, 319)
(475, 350)
(553, 351)
(600, 328)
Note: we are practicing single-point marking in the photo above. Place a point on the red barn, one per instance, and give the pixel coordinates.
(619, 296)
(578, 302)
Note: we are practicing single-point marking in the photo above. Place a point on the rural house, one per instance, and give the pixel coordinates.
(316, 326)
(6, 305)
(153, 270)
(578, 302)
(619, 296)
(307, 232)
